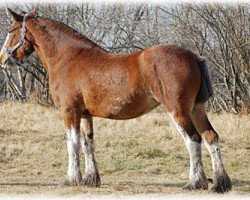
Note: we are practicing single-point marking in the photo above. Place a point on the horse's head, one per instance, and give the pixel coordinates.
(19, 42)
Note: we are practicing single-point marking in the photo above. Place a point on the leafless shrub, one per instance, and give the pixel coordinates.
(220, 32)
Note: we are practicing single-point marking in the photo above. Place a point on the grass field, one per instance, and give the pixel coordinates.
(138, 156)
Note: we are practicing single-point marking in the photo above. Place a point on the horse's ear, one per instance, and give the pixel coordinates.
(34, 11)
(14, 16)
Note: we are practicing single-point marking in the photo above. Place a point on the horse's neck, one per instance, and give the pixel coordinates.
(52, 40)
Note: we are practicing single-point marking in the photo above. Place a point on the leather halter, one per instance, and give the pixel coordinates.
(10, 50)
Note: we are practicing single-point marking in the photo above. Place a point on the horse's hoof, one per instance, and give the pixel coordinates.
(92, 180)
(65, 183)
(222, 184)
(195, 186)
(73, 182)
(188, 187)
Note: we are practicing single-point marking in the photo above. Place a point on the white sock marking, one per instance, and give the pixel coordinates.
(73, 144)
(88, 150)
(196, 170)
(217, 162)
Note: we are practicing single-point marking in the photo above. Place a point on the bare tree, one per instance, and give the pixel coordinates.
(220, 32)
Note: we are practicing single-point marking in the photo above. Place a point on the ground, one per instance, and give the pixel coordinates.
(145, 155)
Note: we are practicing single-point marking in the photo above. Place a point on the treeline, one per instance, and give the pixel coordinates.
(218, 32)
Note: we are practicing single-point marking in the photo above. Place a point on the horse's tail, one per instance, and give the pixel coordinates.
(206, 89)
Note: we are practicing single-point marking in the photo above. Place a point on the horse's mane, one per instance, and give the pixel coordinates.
(60, 28)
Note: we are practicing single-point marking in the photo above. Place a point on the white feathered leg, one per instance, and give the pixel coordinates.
(91, 177)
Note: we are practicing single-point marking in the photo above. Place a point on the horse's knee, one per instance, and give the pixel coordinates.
(211, 136)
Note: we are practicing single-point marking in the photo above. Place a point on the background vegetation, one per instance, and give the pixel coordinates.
(143, 155)
(219, 32)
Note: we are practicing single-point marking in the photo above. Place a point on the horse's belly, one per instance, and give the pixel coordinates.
(118, 108)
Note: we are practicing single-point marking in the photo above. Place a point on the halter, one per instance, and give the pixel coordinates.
(9, 51)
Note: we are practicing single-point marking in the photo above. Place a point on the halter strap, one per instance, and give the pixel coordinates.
(9, 51)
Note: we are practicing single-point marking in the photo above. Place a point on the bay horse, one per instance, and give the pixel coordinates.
(87, 81)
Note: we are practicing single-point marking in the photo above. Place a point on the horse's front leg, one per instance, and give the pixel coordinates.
(72, 122)
(91, 177)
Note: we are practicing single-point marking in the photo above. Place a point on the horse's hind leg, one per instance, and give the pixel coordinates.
(92, 177)
(183, 123)
(221, 180)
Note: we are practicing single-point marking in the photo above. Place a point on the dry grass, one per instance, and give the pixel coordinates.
(143, 155)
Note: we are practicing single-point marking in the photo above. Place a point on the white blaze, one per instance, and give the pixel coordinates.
(2, 50)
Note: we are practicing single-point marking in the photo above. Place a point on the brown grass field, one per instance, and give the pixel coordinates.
(139, 156)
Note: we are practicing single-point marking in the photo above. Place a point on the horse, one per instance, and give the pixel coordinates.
(87, 81)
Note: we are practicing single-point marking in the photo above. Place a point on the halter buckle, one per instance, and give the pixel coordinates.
(21, 41)
(8, 50)
(23, 31)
